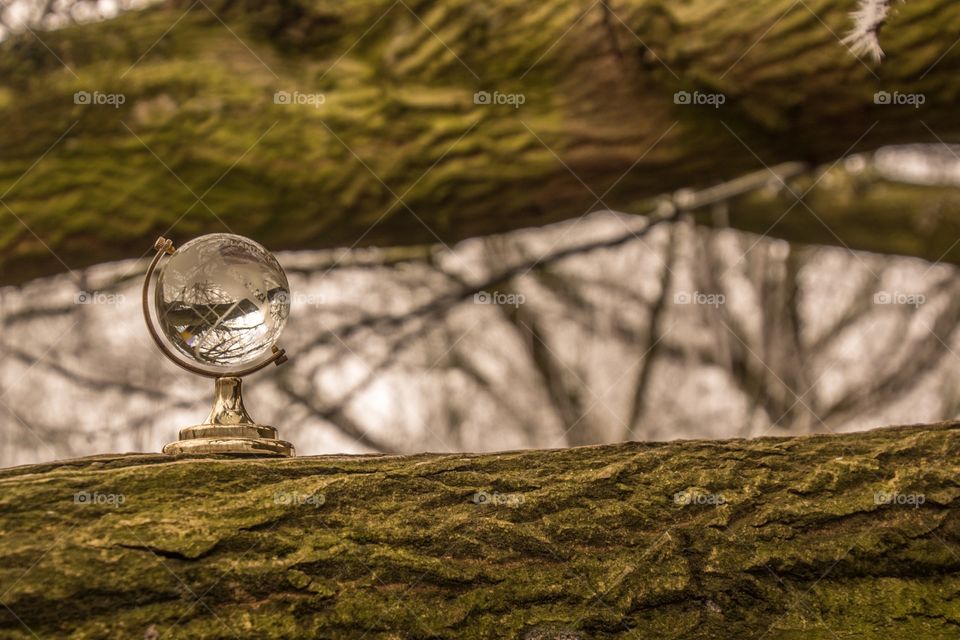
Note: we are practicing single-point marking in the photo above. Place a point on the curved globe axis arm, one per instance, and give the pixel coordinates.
(163, 246)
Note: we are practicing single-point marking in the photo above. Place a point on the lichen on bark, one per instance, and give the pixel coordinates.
(399, 153)
(851, 535)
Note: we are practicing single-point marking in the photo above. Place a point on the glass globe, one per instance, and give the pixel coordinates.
(222, 300)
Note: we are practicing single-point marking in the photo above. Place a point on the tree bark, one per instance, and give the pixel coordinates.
(851, 535)
(399, 153)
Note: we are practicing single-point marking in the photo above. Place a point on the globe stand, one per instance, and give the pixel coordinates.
(228, 429)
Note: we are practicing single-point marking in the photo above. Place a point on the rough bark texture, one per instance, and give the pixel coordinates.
(780, 538)
(399, 79)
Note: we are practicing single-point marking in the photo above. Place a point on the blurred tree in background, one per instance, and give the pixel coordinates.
(433, 165)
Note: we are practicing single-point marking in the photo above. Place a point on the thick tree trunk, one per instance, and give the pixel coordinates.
(813, 537)
(399, 153)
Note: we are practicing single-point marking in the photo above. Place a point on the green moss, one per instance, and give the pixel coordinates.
(590, 542)
(400, 96)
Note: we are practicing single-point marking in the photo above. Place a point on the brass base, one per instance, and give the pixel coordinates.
(235, 446)
(229, 429)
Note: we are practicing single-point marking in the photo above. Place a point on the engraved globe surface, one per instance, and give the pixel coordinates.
(222, 300)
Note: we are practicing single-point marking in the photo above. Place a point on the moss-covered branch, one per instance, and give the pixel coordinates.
(815, 537)
(598, 125)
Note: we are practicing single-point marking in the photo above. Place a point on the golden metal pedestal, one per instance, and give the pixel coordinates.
(229, 429)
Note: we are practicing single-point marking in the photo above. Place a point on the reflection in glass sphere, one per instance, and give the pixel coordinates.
(222, 300)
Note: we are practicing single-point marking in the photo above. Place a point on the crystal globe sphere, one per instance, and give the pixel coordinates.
(222, 300)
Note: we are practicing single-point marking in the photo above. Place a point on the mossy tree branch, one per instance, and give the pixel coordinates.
(399, 153)
(670, 540)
